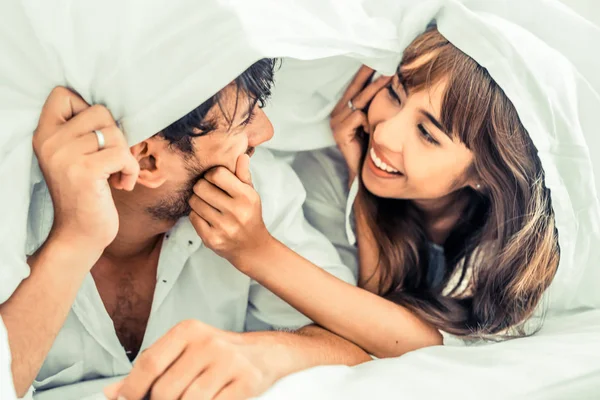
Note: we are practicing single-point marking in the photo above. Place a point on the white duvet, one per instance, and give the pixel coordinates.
(151, 61)
(560, 363)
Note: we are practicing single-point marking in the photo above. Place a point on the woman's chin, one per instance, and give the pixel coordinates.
(380, 187)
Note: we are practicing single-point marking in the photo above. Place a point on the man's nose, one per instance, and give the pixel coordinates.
(262, 129)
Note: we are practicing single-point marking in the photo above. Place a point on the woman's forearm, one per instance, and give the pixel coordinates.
(379, 326)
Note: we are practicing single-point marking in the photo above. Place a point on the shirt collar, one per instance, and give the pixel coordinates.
(349, 212)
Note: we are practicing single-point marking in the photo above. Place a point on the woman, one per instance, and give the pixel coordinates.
(454, 226)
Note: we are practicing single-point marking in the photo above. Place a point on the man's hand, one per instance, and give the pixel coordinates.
(77, 171)
(227, 212)
(85, 222)
(196, 361)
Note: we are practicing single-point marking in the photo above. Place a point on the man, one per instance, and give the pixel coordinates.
(7, 390)
(117, 267)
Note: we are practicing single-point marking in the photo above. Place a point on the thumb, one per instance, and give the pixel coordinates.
(61, 105)
(112, 391)
(242, 169)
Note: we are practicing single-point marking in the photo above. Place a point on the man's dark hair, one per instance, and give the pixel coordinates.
(255, 83)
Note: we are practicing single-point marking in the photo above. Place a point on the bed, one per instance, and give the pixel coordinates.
(560, 362)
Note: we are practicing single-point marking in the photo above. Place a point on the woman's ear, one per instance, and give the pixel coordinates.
(474, 180)
(476, 185)
(150, 157)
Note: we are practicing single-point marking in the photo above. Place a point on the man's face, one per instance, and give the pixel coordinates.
(238, 130)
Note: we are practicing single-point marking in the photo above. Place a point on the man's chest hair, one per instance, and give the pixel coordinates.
(127, 298)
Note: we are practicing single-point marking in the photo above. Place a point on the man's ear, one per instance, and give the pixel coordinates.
(150, 156)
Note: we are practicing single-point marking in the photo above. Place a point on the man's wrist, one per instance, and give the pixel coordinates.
(71, 252)
(272, 351)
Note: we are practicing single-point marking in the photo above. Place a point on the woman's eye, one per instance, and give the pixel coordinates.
(427, 136)
(394, 96)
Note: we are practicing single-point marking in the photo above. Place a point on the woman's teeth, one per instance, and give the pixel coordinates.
(380, 164)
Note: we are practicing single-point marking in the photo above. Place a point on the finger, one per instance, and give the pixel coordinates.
(212, 194)
(115, 181)
(88, 143)
(236, 390)
(175, 381)
(361, 100)
(201, 226)
(346, 130)
(60, 106)
(242, 169)
(358, 83)
(151, 364)
(96, 117)
(364, 97)
(110, 161)
(225, 180)
(210, 382)
(337, 120)
(113, 137)
(205, 210)
(128, 176)
(112, 391)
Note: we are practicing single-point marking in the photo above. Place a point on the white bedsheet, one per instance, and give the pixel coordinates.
(562, 362)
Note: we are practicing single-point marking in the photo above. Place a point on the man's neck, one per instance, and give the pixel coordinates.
(139, 233)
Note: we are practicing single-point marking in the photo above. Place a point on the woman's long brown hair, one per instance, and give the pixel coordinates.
(504, 248)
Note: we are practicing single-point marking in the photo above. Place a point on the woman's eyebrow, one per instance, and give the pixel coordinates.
(435, 122)
(426, 113)
(402, 81)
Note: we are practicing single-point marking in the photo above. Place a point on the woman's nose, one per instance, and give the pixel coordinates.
(389, 136)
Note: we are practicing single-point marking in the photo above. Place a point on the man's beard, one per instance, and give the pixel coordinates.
(176, 206)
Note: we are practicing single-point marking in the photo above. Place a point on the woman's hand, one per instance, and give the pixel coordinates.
(349, 114)
(227, 213)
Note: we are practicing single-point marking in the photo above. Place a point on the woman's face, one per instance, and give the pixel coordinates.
(409, 155)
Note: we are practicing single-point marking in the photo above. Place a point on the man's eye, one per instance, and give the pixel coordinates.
(427, 136)
(394, 95)
(249, 119)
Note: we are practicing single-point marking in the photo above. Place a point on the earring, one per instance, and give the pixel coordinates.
(478, 186)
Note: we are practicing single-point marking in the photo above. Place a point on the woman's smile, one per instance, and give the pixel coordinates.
(379, 167)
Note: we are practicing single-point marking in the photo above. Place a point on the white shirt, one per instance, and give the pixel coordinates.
(192, 283)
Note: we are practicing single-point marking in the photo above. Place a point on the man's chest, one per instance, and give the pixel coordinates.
(135, 310)
(127, 295)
